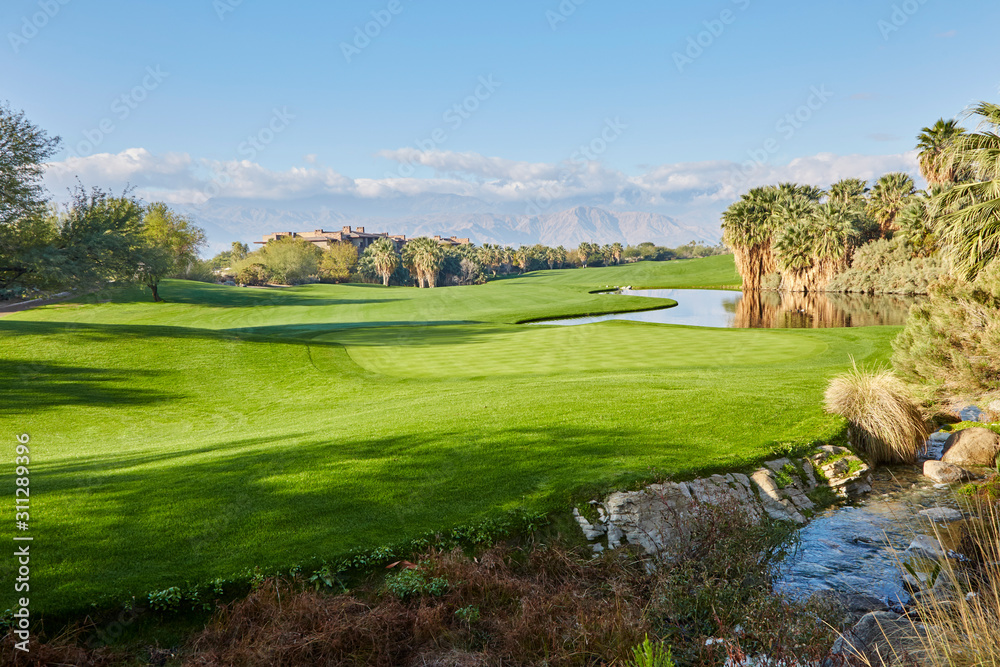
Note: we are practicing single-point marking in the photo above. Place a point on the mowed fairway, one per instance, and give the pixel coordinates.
(230, 428)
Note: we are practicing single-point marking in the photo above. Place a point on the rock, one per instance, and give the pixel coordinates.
(971, 413)
(852, 606)
(945, 473)
(590, 531)
(972, 446)
(775, 504)
(924, 547)
(883, 638)
(942, 514)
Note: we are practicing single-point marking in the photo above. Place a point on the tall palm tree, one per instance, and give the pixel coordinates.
(933, 143)
(748, 228)
(385, 258)
(616, 252)
(849, 192)
(971, 224)
(425, 257)
(522, 256)
(836, 233)
(890, 194)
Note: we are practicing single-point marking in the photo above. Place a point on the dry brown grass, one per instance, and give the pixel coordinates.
(885, 424)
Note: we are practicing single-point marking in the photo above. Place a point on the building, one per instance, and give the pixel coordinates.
(357, 236)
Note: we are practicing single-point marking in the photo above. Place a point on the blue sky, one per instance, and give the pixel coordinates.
(201, 77)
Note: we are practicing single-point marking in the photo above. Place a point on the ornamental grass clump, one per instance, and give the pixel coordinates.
(885, 424)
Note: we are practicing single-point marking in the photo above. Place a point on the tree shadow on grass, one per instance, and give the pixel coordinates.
(27, 386)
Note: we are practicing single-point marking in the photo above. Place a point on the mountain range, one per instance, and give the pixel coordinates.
(227, 221)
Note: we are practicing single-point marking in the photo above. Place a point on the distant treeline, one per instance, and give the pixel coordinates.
(425, 263)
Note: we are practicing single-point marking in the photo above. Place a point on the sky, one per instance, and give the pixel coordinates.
(678, 104)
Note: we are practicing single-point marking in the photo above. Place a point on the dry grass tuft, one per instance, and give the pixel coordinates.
(885, 423)
(964, 625)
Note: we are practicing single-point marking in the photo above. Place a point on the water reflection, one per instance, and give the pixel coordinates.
(765, 310)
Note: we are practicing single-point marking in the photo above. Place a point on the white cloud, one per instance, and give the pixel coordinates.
(180, 179)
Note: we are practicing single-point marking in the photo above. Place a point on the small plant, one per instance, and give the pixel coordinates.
(648, 654)
(469, 614)
(166, 600)
(885, 424)
(411, 583)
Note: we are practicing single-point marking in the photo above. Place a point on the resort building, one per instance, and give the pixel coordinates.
(357, 236)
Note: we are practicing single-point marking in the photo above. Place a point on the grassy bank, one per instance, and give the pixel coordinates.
(232, 428)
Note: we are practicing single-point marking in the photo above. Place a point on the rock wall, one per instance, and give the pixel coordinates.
(783, 489)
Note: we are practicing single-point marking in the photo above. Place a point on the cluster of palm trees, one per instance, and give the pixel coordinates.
(424, 258)
(798, 237)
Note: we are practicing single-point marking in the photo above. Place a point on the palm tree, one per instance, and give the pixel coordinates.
(972, 222)
(424, 257)
(890, 194)
(586, 250)
(933, 143)
(616, 252)
(836, 234)
(849, 192)
(748, 229)
(385, 258)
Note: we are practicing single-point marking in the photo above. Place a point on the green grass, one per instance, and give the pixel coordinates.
(231, 428)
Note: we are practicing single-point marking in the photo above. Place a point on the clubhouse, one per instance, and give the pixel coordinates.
(357, 236)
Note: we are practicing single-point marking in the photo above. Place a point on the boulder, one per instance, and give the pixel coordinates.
(942, 514)
(972, 447)
(883, 639)
(945, 473)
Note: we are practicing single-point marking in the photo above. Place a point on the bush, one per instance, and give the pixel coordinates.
(339, 262)
(888, 267)
(953, 339)
(254, 274)
(290, 260)
(885, 424)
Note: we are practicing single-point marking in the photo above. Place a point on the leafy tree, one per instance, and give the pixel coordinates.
(384, 257)
(24, 148)
(587, 251)
(849, 192)
(239, 251)
(253, 273)
(172, 242)
(290, 260)
(339, 262)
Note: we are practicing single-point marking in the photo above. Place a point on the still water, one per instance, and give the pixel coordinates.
(763, 310)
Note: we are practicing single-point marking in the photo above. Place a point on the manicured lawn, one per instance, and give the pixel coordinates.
(230, 427)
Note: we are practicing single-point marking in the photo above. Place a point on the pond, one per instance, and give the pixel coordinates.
(763, 310)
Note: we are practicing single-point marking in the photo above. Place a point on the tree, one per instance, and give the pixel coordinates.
(385, 258)
(424, 257)
(290, 260)
(24, 148)
(748, 229)
(934, 143)
(849, 192)
(178, 238)
(522, 257)
(239, 251)
(587, 251)
(339, 262)
(971, 224)
(888, 197)
(616, 252)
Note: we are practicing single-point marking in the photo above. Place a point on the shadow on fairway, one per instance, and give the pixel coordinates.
(39, 385)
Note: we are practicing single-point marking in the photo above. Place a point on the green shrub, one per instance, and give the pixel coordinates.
(412, 583)
(888, 267)
(885, 424)
(648, 654)
(953, 339)
(166, 600)
(254, 274)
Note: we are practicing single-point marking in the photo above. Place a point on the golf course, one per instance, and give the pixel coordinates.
(231, 428)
